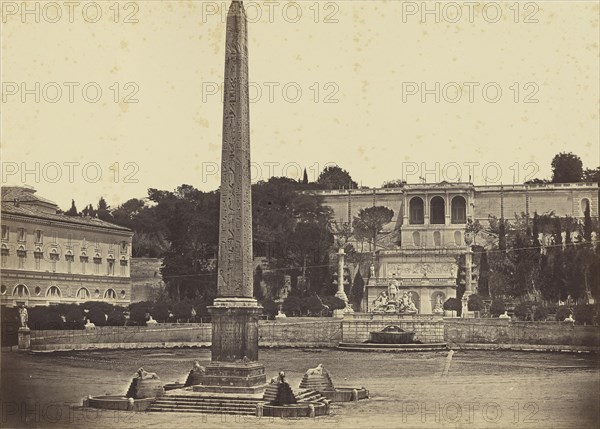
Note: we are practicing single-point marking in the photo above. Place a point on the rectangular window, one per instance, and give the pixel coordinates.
(69, 266)
(54, 237)
(123, 270)
(21, 262)
(39, 236)
(21, 234)
(53, 265)
(69, 239)
(111, 268)
(97, 266)
(123, 247)
(83, 264)
(4, 259)
(38, 261)
(5, 232)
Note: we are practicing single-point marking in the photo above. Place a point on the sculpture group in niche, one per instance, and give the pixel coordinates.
(388, 303)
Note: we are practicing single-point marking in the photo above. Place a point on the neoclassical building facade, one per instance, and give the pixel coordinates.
(419, 248)
(50, 258)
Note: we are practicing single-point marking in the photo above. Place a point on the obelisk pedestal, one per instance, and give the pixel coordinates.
(234, 366)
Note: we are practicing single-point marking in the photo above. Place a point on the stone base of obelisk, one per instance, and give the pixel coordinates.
(234, 351)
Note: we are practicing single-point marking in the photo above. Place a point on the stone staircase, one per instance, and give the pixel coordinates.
(215, 404)
(187, 401)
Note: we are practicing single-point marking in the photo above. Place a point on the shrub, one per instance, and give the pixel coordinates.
(160, 312)
(334, 303)
(293, 306)
(524, 310)
(584, 314)
(475, 303)
(453, 304)
(116, 318)
(270, 308)
(182, 310)
(314, 306)
(138, 311)
(102, 306)
(45, 318)
(96, 316)
(74, 318)
(540, 313)
(562, 313)
(497, 308)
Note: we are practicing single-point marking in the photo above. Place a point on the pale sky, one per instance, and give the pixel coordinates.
(369, 60)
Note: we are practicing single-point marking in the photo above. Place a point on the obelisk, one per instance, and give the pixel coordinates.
(234, 363)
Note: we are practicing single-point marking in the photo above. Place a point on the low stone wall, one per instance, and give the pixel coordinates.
(356, 327)
(329, 332)
(498, 331)
(300, 332)
(290, 332)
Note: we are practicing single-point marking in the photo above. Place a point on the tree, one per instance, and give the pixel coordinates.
(334, 177)
(89, 211)
(587, 224)
(396, 183)
(357, 291)
(305, 178)
(537, 181)
(258, 277)
(370, 222)
(453, 304)
(103, 210)
(73, 210)
(497, 308)
(566, 168)
(591, 175)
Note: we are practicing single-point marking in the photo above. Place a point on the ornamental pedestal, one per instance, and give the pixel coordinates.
(234, 366)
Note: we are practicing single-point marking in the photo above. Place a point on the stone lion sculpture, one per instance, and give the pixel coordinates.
(145, 375)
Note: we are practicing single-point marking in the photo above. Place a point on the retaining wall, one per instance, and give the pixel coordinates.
(498, 331)
(329, 332)
(291, 332)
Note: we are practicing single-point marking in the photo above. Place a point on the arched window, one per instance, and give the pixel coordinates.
(437, 212)
(21, 291)
(458, 238)
(83, 293)
(110, 294)
(416, 238)
(437, 238)
(54, 292)
(416, 214)
(459, 210)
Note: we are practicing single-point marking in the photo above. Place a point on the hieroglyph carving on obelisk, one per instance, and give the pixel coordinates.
(235, 224)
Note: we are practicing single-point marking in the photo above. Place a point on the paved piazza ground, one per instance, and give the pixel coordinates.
(482, 389)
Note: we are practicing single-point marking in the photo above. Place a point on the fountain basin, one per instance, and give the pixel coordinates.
(345, 394)
(115, 402)
(302, 409)
(391, 337)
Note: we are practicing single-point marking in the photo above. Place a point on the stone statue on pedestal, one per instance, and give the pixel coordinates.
(23, 317)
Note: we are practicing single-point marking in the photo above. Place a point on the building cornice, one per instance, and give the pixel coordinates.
(74, 225)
